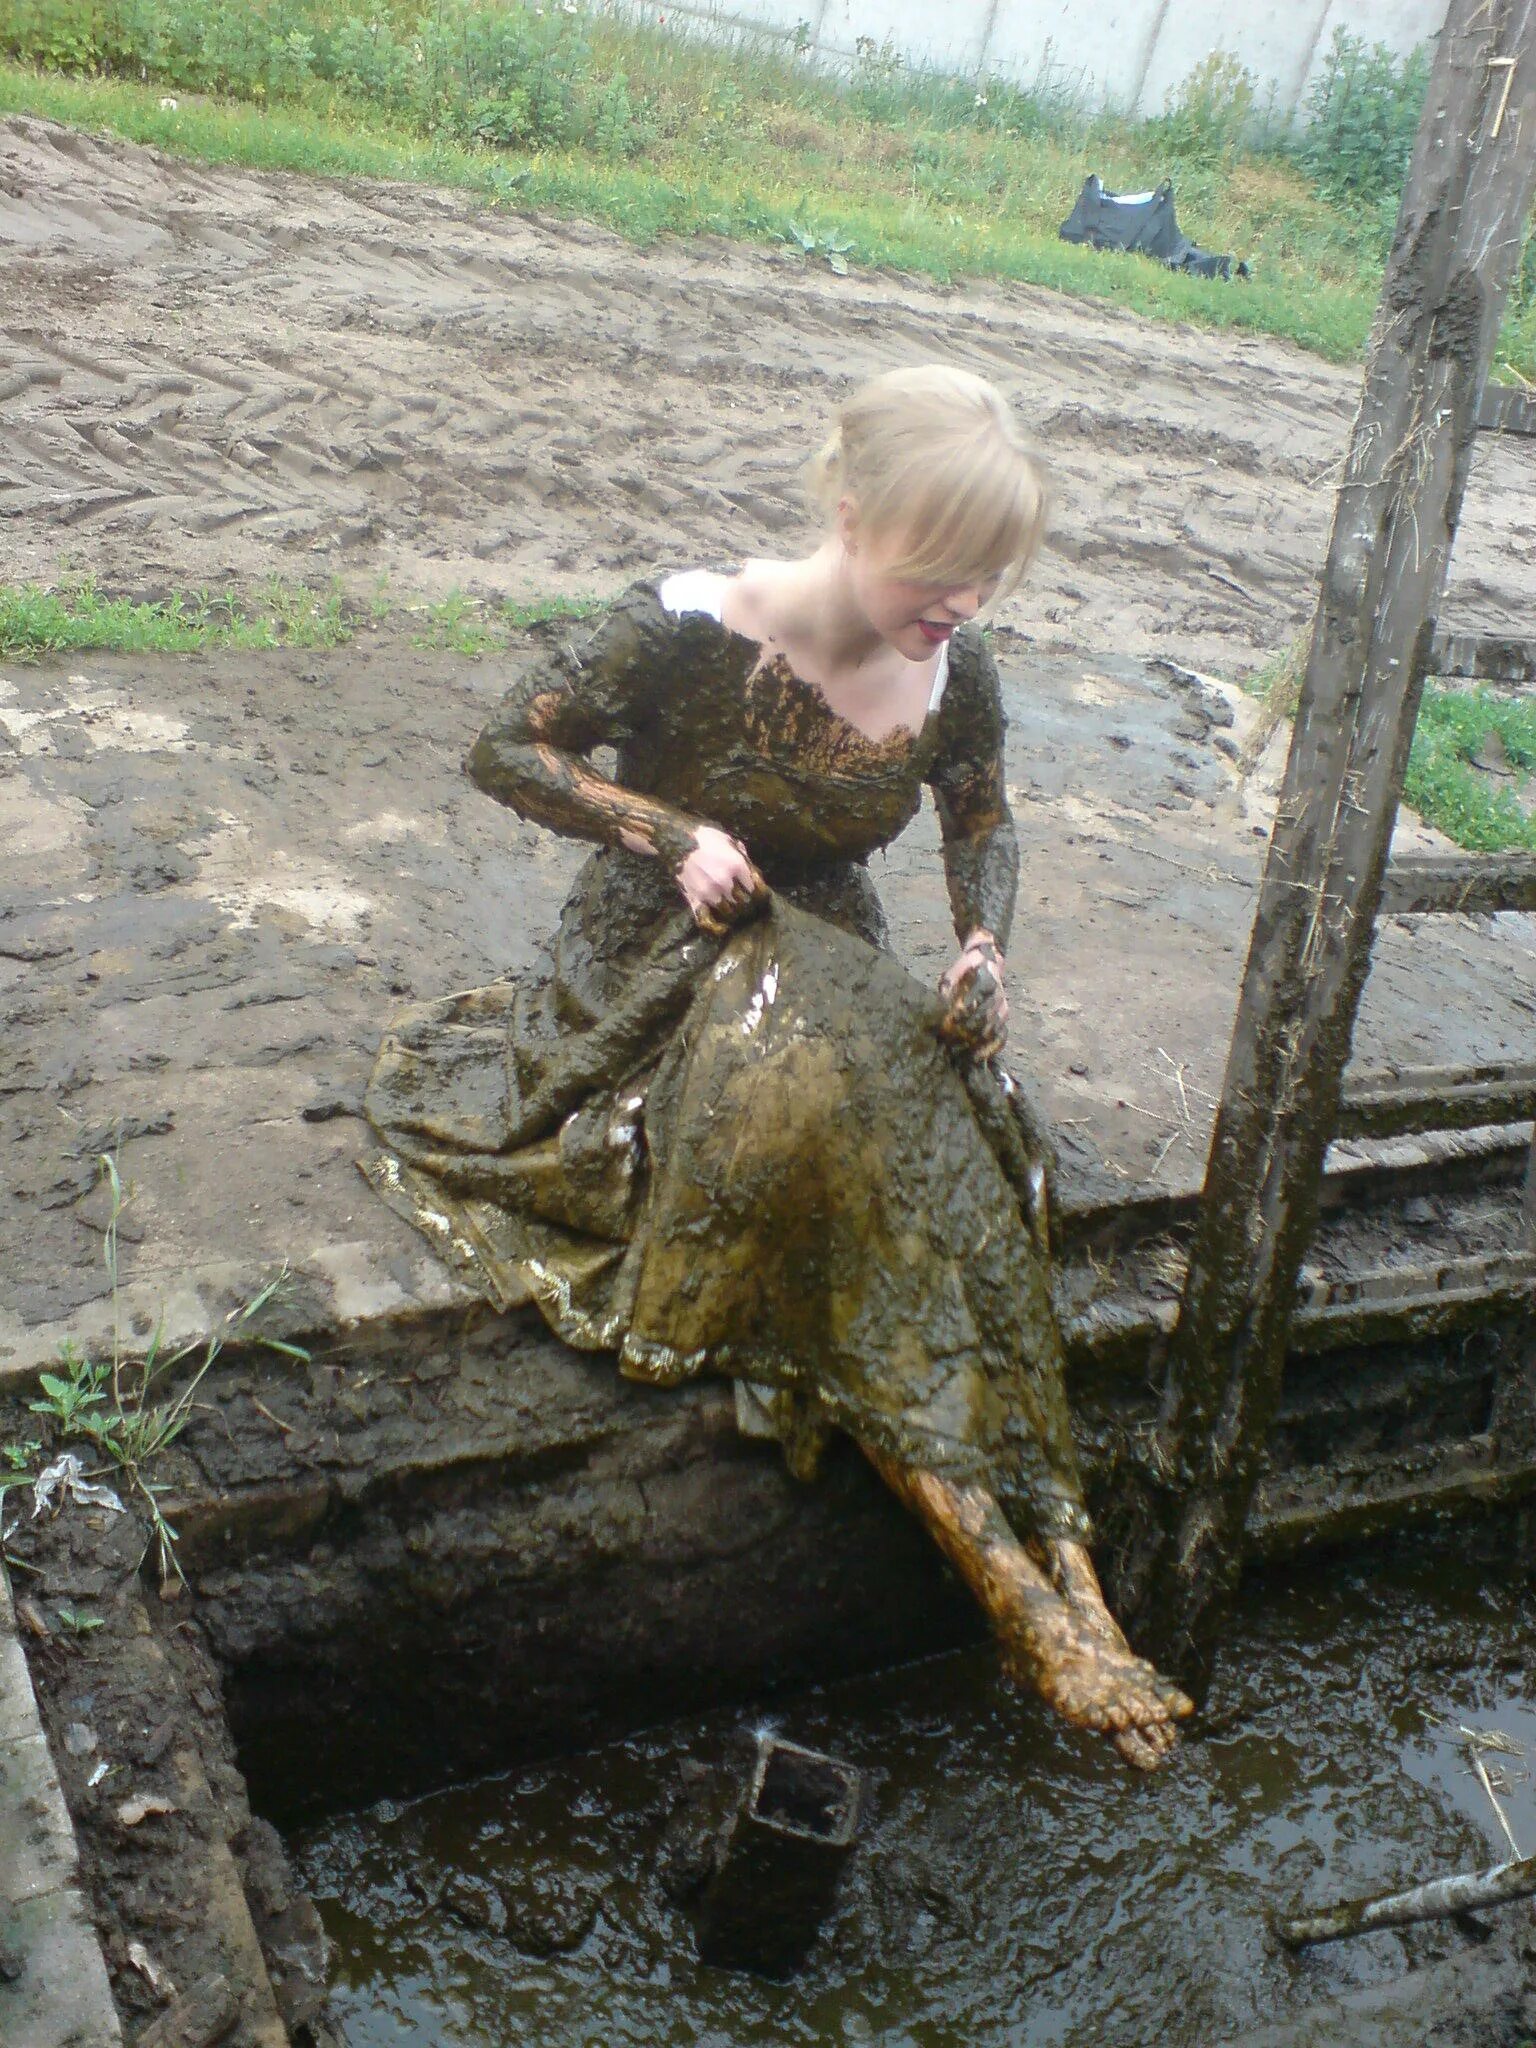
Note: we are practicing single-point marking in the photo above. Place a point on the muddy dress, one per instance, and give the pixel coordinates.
(748, 1154)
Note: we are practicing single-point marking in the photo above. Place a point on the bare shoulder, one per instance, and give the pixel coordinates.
(752, 601)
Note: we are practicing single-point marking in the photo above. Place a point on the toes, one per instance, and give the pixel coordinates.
(1138, 1749)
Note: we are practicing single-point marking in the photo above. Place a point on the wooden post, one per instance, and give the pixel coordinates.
(1174, 1556)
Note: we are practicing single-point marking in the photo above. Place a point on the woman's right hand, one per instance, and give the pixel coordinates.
(718, 881)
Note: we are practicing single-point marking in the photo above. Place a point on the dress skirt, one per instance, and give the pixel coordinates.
(752, 1156)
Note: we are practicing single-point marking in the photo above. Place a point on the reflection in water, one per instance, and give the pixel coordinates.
(1015, 1884)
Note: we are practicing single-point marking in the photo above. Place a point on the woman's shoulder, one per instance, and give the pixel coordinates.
(686, 593)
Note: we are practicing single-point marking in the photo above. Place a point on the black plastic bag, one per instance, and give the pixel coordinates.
(1142, 221)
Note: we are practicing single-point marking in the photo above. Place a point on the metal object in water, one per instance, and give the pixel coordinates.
(778, 1859)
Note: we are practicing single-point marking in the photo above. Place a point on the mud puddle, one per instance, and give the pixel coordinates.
(1014, 1885)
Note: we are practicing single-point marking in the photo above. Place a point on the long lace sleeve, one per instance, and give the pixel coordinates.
(531, 756)
(981, 848)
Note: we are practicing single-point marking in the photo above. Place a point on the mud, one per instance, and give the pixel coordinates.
(1008, 1885)
(259, 374)
(231, 870)
(187, 1888)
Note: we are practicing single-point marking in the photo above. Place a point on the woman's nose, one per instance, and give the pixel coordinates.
(964, 603)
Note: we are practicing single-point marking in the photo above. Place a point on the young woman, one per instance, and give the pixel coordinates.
(728, 1131)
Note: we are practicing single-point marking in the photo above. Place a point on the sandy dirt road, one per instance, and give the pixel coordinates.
(220, 874)
(209, 376)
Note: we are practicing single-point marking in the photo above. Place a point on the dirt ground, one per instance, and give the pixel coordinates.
(228, 870)
(210, 376)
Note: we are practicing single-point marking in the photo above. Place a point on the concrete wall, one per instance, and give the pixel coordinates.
(1127, 54)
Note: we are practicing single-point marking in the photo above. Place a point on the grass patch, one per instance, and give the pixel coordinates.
(608, 117)
(1448, 782)
(35, 621)
(78, 618)
(460, 624)
(1474, 806)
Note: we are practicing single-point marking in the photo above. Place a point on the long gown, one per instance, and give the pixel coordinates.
(751, 1155)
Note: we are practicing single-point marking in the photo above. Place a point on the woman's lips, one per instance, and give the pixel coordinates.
(934, 635)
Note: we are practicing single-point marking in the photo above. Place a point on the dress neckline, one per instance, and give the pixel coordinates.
(696, 591)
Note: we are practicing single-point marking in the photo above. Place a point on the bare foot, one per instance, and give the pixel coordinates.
(1072, 1573)
(1093, 1681)
(1055, 1632)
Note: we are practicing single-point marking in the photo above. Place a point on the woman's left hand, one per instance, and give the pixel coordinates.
(977, 1016)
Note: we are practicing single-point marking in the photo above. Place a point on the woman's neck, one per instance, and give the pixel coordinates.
(814, 608)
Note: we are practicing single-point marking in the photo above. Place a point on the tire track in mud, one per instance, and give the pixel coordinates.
(209, 375)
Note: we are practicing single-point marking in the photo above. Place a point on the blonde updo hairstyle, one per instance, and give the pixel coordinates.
(933, 460)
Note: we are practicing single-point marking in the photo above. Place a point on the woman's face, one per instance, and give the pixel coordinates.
(914, 618)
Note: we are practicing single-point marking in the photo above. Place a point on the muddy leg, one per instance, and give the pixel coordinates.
(1057, 1637)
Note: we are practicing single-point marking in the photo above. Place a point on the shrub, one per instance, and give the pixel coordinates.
(1209, 114)
(1362, 117)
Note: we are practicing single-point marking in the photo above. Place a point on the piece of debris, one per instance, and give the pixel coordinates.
(140, 1959)
(102, 1770)
(134, 1812)
(63, 1483)
(1142, 222)
(1443, 1898)
(763, 1859)
(79, 1740)
(32, 1618)
(205, 2016)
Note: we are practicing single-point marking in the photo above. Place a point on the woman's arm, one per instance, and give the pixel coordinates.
(981, 848)
(531, 758)
(530, 755)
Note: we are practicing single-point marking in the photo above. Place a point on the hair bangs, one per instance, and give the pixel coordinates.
(976, 518)
(932, 459)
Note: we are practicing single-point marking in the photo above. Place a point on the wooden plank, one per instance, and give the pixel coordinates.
(1507, 409)
(1482, 657)
(1393, 1305)
(1461, 1478)
(1420, 884)
(1396, 1104)
(1176, 1558)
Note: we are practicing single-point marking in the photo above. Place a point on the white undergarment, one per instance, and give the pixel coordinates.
(698, 590)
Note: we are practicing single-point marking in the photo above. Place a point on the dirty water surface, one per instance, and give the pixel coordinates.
(1012, 1884)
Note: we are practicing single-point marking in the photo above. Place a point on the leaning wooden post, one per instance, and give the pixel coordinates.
(1458, 238)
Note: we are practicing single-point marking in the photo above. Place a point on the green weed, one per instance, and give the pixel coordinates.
(77, 1623)
(539, 611)
(121, 1406)
(1363, 118)
(460, 624)
(1444, 787)
(36, 621)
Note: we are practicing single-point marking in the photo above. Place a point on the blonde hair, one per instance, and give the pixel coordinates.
(933, 458)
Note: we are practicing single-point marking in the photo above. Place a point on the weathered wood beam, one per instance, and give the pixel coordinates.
(1396, 1305)
(1418, 884)
(1506, 409)
(1394, 1105)
(1175, 1555)
(1482, 657)
(1388, 1495)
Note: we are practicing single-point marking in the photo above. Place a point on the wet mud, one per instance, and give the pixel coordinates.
(1011, 1886)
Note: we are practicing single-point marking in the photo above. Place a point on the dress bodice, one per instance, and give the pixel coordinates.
(705, 732)
(758, 751)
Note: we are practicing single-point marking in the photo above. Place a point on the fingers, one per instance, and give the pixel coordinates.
(719, 882)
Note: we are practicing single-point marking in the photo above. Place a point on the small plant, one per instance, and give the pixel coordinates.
(77, 1623)
(109, 1404)
(1210, 113)
(834, 248)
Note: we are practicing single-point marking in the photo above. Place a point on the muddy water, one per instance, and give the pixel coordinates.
(1015, 1885)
